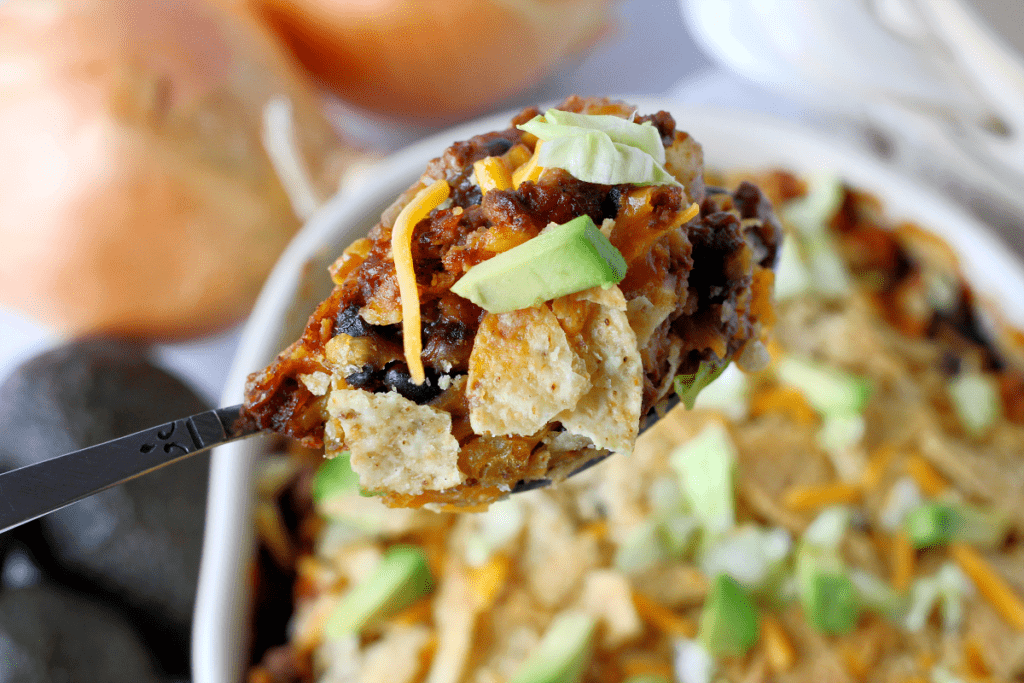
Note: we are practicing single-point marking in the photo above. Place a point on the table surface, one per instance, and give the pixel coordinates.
(649, 52)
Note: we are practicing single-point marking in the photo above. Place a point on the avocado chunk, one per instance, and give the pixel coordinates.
(729, 623)
(827, 594)
(401, 578)
(705, 468)
(828, 389)
(563, 653)
(931, 524)
(334, 478)
(939, 523)
(564, 259)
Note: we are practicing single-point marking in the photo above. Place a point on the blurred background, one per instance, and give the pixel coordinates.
(157, 155)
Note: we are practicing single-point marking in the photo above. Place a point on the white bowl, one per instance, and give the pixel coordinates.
(299, 281)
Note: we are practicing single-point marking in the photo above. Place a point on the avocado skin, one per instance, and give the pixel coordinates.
(136, 545)
(50, 634)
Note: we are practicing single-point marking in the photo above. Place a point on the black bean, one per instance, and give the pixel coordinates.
(369, 378)
(498, 146)
(351, 323)
(396, 376)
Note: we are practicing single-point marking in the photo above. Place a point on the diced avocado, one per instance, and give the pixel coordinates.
(830, 603)
(729, 623)
(828, 389)
(931, 524)
(938, 523)
(566, 258)
(705, 468)
(689, 386)
(334, 478)
(401, 578)
(563, 653)
(826, 593)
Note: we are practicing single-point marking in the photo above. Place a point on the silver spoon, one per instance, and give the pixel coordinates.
(35, 490)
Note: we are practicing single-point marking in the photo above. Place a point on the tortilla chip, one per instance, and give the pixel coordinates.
(610, 412)
(396, 445)
(608, 597)
(522, 372)
(646, 314)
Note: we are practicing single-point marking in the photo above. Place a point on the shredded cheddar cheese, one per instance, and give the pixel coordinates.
(778, 647)
(425, 201)
(531, 170)
(877, 466)
(925, 474)
(688, 215)
(492, 174)
(904, 561)
(990, 584)
(813, 497)
(662, 618)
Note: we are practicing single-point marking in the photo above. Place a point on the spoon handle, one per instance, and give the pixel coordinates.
(35, 490)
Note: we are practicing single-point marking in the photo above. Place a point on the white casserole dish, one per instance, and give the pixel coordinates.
(299, 281)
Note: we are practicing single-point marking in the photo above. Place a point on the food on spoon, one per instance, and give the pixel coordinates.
(157, 159)
(517, 311)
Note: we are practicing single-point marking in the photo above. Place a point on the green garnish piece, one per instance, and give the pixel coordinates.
(334, 478)
(594, 158)
(705, 468)
(826, 593)
(689, 386)
(811, 213)
(557, 123)
(401, 577)
(976, 400)
(729, 623)
(566, 258)
(932, 524)
(830, 603)
(563, 653)
(640, 550)
(939, 523)
(601, 149)
(752, 555)
(828, 389)
(647, 678)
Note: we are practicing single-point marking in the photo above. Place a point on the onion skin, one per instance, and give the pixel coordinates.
(143, 202)
(433, 61)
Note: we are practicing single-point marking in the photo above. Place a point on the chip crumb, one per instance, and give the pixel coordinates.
(317, 382)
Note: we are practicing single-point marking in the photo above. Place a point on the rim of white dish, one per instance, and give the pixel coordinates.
(221, 622)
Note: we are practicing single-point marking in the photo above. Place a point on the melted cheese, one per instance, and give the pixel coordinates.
(425, 201)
